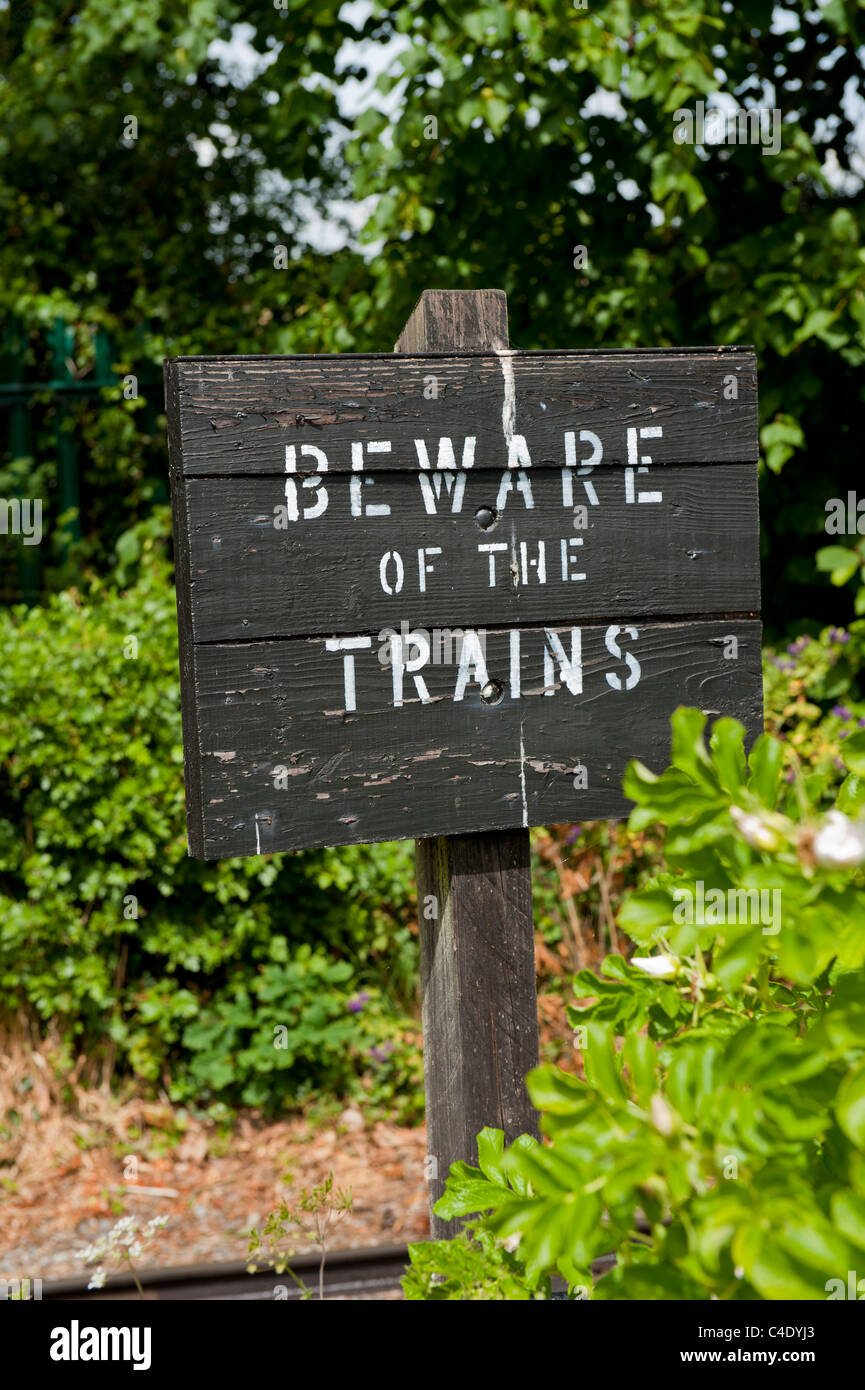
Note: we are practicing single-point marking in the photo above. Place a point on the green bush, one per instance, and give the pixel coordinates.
(717, 1143)
(813, 699)
(110, 930)
(471, 1268)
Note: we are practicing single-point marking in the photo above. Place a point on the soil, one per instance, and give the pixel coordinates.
(77, 1159)
(211, 1190)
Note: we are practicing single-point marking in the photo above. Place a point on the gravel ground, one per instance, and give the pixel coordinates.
(211, 1189)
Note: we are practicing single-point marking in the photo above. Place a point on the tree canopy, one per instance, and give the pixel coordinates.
(484, 144)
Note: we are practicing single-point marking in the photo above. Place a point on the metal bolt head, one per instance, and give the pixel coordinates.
(486, 518)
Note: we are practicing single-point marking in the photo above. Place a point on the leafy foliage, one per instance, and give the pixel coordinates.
(495, 138)
(554, 129)
(470, 1268)
(717, 1142)
(813, 698)
(180, 970)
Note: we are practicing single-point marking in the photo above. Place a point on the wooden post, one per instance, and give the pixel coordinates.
(477, 959)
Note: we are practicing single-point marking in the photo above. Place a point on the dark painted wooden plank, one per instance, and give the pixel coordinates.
(694, 552)
(237, 415)
(188, 705)
(449, 766)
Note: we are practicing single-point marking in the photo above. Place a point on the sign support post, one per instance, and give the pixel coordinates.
(480, 1017)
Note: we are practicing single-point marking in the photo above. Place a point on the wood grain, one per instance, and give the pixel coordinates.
(183, 587)
(235, 415)
(694, 552)
(444, 767)
(480, 1017)
(443, 320)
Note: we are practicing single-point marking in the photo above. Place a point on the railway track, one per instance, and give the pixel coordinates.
(348, 1274)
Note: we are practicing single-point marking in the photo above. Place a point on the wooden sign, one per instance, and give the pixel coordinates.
(437, 593)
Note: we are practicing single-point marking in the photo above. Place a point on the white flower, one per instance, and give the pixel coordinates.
(755, 829)
(94, 1252)
(97, 1279)
(839, 843)
(134, 1250)
(660, 967)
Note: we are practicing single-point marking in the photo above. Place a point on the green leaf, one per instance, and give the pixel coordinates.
(851, 797)
(766, 761)
(853, 754)
(555, 1090)
(848, 1214)
(779, 440)
(600, 1063)
(815, 1244)
(688, 748)
(640, 1058)
(728, 753)
(850, 1106)
(491, 1147)
(464, 1197)
(840, 563)
(644, 916)
(736, 957)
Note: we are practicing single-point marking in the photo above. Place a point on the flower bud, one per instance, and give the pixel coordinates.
(839, 843)
(757, 830)
(659, 967)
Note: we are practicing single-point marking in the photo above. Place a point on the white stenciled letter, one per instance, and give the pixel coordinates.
(318, 507)
(570, 668)
(431, 490)
(399, 571)
(471, 660)
(357, 484)
(523, 485)
(349, 645)
(515, 663)
(615, 650)
(489, 549)
(540, 564)
(401, 663)
(518, 452)
(640, 462)
(567, 558)
(446, 457)
(423, 566)
(585, 468)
